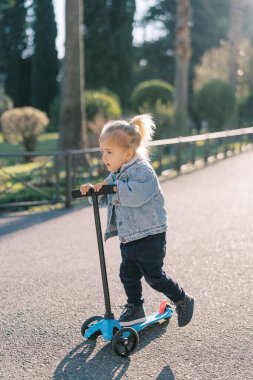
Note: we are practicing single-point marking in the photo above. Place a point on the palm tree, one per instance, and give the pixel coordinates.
(183, 55)
(72, 127)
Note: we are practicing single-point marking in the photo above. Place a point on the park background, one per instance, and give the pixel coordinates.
(49, 273)
(189, 63)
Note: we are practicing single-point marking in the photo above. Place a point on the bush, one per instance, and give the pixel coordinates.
(101, 103)
(5, 104)
(23, 125)
(155, 97)
(246, 111)
(165, 122)
(214, 103)
(148, 94)
(100, 106)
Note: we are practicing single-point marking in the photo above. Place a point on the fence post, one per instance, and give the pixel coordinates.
(68, 181)
(178, 162)
(206, 150)
(159, 158)
(225, 147)
(57, 177)
(233, 139)
(193, 152)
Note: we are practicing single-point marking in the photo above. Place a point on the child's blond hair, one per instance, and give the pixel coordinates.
(135, 134)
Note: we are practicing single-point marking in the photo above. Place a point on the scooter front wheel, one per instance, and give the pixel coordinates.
(125, 341)
(88, 323)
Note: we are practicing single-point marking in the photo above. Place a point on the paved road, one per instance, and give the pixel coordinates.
(50, 283)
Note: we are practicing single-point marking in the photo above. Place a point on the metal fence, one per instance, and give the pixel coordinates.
(51, 176)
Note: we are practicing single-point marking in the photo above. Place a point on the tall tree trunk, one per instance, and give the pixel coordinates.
(234, 39)
(183, 55)
(72, 127)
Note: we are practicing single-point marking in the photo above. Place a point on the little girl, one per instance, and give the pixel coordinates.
(136, 213)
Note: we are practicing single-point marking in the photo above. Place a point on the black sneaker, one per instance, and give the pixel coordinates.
(184, 309)
(132, 314)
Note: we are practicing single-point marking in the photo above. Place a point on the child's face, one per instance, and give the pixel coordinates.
(115, 156)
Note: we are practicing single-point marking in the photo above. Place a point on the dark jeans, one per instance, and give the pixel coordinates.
(144, 258)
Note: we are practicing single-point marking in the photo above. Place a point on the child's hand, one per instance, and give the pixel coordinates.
(98, 186)
(85, 188)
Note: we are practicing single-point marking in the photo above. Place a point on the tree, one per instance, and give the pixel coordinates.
(72, 128)
(234, 39)
(209, 24)
(183, 54)
(96, 33)
(44, 60)
(121, 51)
(5, 4)
(215, 65)
(219, 94)
(108, 45)
(13, 43)
(153, 60)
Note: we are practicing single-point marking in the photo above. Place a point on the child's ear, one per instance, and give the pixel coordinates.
(130, 153)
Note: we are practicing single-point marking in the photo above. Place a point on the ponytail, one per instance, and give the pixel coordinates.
(145, 126)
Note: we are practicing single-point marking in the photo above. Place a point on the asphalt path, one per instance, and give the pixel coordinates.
(50, 283)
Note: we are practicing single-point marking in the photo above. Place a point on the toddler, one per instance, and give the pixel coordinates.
(136, 213)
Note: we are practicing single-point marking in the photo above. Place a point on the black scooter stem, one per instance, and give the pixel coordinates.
(107, 189)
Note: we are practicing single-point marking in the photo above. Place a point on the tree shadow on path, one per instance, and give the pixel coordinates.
(14, 222)
(166, 374)
(83, 363)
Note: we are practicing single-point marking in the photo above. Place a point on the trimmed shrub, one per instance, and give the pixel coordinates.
(149, 93)
(246, 111)
(100, 106)
(23, 125)
(214, 103)
(165, 122)
(101, 103)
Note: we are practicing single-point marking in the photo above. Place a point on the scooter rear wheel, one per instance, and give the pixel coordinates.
(88, 323)
(125, 341)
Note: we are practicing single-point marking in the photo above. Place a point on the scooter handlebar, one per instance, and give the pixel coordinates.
(106, 189)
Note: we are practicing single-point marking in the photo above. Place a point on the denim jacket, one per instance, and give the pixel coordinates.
(137, 209)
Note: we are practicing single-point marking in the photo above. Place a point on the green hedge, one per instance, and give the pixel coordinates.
(149, 93)
(215, 104)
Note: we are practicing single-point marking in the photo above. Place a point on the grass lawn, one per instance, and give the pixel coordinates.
(46, 142)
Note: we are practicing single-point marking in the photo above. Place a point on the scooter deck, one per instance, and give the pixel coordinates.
(153, 318)
(106, 326)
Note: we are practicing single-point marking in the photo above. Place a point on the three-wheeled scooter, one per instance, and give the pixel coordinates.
(124, 339)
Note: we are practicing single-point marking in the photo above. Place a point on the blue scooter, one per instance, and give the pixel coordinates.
(124, 339)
